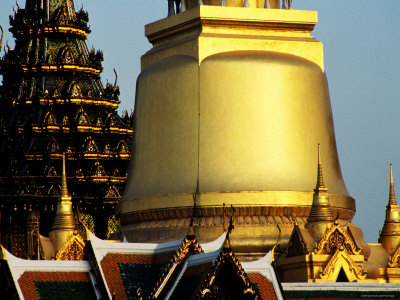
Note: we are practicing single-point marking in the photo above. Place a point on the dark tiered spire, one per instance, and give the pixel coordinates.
(55, 102)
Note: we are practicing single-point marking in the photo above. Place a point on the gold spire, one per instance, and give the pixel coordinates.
(320, 209)
(320, 216)
(390, 235)
(64, 221)
(392, 199)
(320, 177)
(64, 188)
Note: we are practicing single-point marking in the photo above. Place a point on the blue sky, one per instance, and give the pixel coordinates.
(362, 60)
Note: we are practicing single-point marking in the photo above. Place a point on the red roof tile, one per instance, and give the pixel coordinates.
(28, 279)
(265, 287)
(110, 267)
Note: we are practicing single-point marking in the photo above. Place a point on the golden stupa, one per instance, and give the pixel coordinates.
(233, 99)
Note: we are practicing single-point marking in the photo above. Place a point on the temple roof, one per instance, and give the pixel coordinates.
(49, 278)
(178, 269)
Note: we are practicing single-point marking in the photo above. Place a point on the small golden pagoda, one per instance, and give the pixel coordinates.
(389, 236)
(65, 240)
(324, 250)
(333, 251)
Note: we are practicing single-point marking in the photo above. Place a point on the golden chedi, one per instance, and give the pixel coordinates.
(235, 98)
(389, 236)
(64, 222)
(67, 237)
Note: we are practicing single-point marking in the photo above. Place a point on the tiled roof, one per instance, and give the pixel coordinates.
(56, 285)
(118, 265)
(264, 287)
(264, 278)
(125, 273)
(34, 278)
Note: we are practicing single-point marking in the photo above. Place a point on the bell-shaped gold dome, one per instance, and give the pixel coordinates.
(244, 123)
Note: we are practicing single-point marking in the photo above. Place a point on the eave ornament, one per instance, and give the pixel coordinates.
(73, 249)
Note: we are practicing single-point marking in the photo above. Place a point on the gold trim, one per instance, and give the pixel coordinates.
(337, 238)
(53, 29)
(339, 259)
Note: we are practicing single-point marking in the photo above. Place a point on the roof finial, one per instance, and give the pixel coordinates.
(64, 222)
(321, 214)
(320, 178)
(227, 243)
(190, 233)
(2, 36)
(392, 198)
(277, 242)
(64, 188)
(223, 218)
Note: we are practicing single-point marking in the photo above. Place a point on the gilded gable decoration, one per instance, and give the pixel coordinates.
(73, 249)
(61, 15)
(189, 246)
(337, 238)
(342, 260)
(90, 145)
(74, 90)
(98, 170)
(49, 118)
(394, 259)
(112, 192)
(122, 147)
(66, 56)
(107, 148)
(81, 117)
(210, 286)
(52, 147)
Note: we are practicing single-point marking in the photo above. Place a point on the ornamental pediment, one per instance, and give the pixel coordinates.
(394, 259)
(337, 238)
(341, 261)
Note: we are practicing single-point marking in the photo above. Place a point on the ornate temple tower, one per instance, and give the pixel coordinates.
(232, 95)
(53, 102)
(389, 236)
